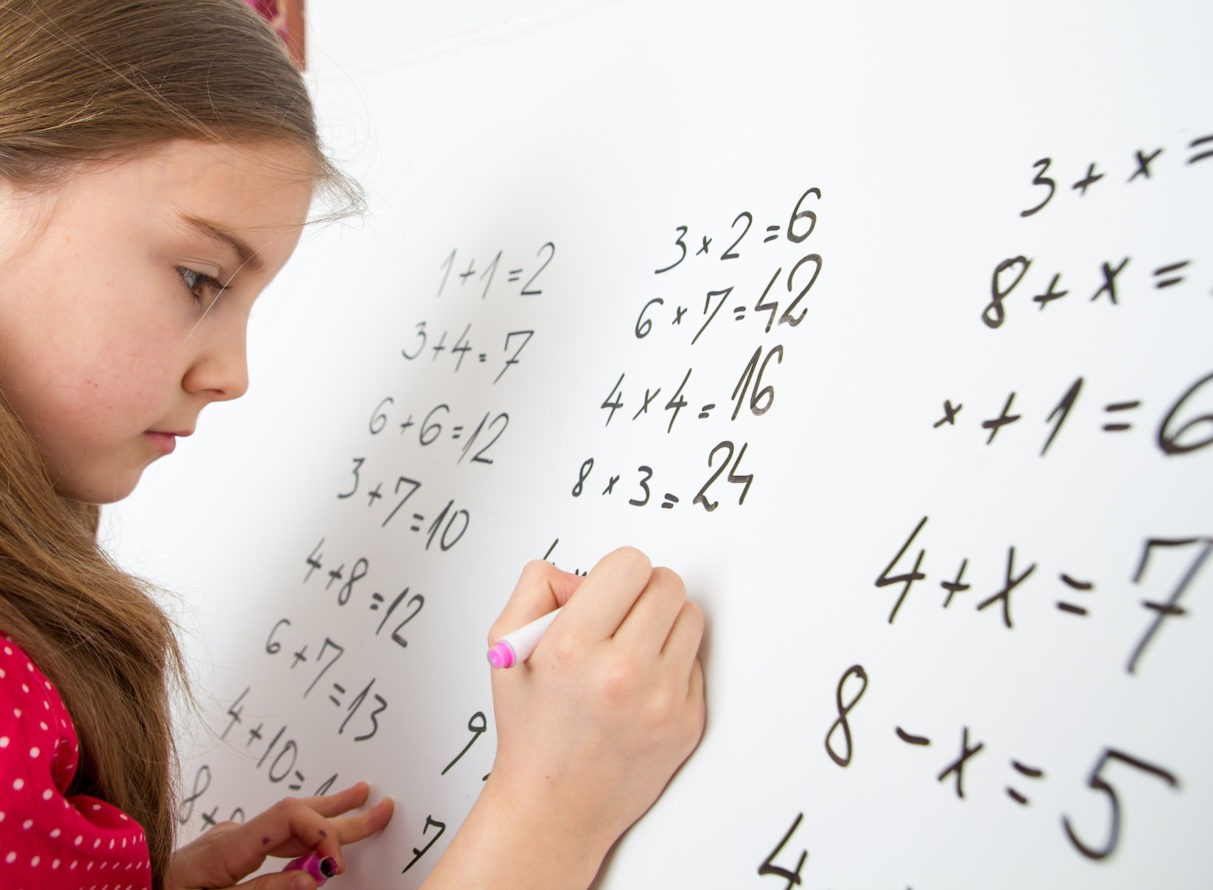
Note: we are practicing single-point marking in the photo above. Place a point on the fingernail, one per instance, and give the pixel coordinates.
(320, 870)
(302, 882)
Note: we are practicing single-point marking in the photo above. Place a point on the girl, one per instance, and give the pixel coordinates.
(158, 159)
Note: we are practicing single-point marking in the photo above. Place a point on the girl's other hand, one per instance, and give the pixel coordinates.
(292, 827)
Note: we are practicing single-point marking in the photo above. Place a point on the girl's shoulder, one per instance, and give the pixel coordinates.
(34, 722)
(47, 834)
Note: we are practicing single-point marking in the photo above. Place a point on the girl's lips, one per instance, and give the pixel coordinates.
(164, 442)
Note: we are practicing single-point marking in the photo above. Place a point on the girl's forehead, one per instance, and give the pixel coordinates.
(250, 199)
(263, 182)
(253, 194)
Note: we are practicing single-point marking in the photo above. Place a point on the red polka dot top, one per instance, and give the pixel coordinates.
(48, 839)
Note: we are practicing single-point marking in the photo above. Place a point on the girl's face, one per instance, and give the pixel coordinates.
(125, 292)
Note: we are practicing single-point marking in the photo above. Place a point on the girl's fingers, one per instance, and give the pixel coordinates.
(695, 695)
(341, 801)
(608, 593)
(355, 827)
(686, 636)
(541, 588)
(648, 624)
(288, 828)
(360, 826)
(230, 851)
(605, 597)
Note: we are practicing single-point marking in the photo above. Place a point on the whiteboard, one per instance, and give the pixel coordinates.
(888, 327)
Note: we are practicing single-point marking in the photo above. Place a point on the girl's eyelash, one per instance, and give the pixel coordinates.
(197, 282)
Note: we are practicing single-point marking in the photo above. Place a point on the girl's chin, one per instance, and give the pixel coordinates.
(99, 493)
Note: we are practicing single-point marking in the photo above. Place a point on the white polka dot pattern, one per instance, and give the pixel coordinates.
(48, 839)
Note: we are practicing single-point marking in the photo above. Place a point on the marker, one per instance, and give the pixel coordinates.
(515, 648)
(319, 867)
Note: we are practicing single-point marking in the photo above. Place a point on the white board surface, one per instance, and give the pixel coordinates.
(887, 326)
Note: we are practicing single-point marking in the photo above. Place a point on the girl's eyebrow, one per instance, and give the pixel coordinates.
(248, 258)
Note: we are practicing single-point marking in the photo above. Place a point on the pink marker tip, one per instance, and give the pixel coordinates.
(501, 655)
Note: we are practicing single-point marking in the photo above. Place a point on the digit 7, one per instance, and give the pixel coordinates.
(513, 359)
(413, 486)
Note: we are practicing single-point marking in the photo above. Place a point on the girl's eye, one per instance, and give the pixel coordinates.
(199, 283)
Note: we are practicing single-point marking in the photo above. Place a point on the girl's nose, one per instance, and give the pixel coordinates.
(220, 371)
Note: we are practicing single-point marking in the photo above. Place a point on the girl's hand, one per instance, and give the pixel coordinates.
(292, 827)
(611, 701)
(589, 729)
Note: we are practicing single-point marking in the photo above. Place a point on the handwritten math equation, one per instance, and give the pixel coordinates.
(1129, 168)
(1110, 285)
(677, 320)
(280, 760)
(349, 604)
(924, 572)
(965, 752)
(724, 461)
(482, 277)
(1183, 425)
(967, 756)
(392, 496)
(473, 440)
(477, 725)
(313, 661)
(387, 497)
(1075, 594)
(766, 275)
(504, 352)
(1118, 278)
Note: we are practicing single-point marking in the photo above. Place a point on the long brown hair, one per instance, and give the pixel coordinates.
(84, 81)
